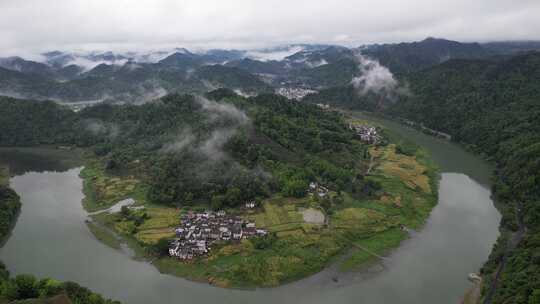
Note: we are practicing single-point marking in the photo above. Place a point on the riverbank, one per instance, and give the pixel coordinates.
(35, 290)
(10, 205)
(365, 224)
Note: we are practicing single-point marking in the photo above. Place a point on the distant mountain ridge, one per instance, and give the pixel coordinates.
(409, 57)
(137, 76)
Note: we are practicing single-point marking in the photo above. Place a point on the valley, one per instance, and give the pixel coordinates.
(104, 262)
(306, 173)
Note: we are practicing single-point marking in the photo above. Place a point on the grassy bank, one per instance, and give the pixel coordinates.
(104, 235)
(10, 205)
(102, 190)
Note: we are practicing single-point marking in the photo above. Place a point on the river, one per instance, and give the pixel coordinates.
(52, 240)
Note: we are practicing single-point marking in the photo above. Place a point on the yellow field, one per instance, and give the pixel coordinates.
(160, 224)
(113, 189)
(275, 216)
(103, 190)
(152, 236)
(402, 166)
(358, 218)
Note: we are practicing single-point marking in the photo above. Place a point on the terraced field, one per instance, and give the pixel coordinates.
(102, 191)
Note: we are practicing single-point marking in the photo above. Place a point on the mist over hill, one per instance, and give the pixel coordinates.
(139, 76)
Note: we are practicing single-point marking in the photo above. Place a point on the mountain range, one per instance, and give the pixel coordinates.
(139, 76)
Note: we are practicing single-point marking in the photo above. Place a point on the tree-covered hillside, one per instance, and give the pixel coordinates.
(191, 149)
(492, 107)
(403, 58)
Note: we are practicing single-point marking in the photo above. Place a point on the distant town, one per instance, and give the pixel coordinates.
(294, 93)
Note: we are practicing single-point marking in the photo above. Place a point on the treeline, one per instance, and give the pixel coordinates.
(225, 149)
(9, 209)
(27, 287)
(10, 205)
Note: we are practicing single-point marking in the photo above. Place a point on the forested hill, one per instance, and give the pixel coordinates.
(483, 103)
(192, 149)
(403, 58)
(493, 107)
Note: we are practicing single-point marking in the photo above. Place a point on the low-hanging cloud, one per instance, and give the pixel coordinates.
(373, 76)
(377, 79)
(225, 120)
(222, 110)
(211, 146)
(101, 129)
(182, 141)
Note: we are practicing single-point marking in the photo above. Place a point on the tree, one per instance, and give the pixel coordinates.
(337, 199)
(295, 187)
(4, 273)
(188, 199)
(325, 203)
(49, 288)
(233, 196)
(10, 290)
(26, 286)
(217, 202)
(124, 211)
(161, 247)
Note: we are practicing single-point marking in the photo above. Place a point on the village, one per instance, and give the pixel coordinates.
(199, 231)
(367, 134)
(294, 93)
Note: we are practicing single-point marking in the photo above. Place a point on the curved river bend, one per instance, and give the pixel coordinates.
(52, 240)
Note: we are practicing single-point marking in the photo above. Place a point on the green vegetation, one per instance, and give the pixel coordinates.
(492, 107)
(9, 205)
(4, 176)
(102, 190)
(377, 244)
(187, 152)
(294, 248)
(192, 151)
(28, 289)
(104, 235)
(403, 58)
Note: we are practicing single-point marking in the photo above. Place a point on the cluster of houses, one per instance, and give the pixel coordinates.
(198, 231)
(317, 189)
(323, 106)
(367, 134)
(294, 93)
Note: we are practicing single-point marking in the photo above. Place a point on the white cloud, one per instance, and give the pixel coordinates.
(273, 54)
(373, 77)
(144, 24)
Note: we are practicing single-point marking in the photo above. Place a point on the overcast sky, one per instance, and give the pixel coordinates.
(29, 25)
